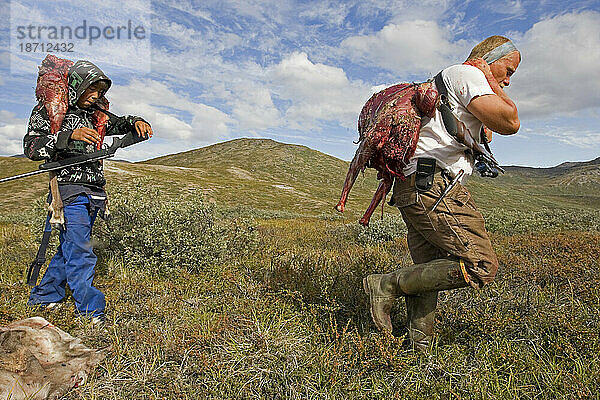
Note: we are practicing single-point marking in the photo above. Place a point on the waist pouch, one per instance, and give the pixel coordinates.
(425, 173)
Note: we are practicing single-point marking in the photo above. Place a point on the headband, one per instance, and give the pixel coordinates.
(499, 52)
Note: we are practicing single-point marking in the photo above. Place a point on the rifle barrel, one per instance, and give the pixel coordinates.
(25, 175)
(57, 166)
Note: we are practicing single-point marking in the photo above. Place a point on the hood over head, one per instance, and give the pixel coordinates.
(81, 75)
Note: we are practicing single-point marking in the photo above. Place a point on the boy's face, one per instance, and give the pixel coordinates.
(91, 94)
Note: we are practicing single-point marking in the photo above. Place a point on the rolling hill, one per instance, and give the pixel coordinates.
(268, 175)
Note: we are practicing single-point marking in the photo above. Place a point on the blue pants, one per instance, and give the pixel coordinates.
(73, 263)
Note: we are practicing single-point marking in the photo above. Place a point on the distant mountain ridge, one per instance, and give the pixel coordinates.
(244, 146)
(269, 175)
(195, 156)
(556, 170)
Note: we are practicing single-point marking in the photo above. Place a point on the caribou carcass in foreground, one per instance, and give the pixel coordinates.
(38, 361)
(388, 128)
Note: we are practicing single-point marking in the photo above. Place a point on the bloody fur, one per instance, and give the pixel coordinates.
(53, 91)
(388, 128)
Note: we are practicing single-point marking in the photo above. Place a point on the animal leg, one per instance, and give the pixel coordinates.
(56, 206)
(384, 188)
(359, 162)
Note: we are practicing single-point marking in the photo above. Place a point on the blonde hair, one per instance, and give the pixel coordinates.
(486, 46)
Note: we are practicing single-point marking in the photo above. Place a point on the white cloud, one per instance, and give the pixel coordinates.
(151, 149)
(187, 7)
(407, 47)
(403, 10)
(317, 92)
(253, 107)
(511, 8)
(163, 107)
(132, 54)
(12, 130)
(329, 12)
(7, 117)
(558, 73)
(11, 139)
(584, 139)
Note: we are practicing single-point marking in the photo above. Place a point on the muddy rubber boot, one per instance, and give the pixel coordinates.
(385, 289)
(382, 295)
(420, 317)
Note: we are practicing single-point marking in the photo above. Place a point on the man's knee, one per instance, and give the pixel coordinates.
(482, 272)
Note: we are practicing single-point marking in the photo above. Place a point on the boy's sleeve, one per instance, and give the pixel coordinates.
(122, 126)
(39, 144)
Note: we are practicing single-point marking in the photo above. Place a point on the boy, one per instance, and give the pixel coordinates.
(81, 187)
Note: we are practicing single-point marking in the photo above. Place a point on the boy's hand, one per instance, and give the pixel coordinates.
(143, 129)
(87, 135)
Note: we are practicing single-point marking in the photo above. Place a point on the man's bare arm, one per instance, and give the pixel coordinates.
(497, 111)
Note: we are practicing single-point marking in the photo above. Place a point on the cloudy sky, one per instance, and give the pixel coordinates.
(299, 72)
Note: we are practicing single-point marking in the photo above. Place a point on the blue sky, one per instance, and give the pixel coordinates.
(299, 72)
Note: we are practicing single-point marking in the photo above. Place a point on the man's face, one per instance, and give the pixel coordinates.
(505, 67)
(91, 95)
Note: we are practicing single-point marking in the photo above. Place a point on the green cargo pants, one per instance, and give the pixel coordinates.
(454, 230)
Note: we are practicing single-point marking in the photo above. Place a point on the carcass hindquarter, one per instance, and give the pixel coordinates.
(52, 89)
(388, 126)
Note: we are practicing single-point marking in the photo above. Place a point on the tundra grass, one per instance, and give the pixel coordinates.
(290, 320)
(281, 314)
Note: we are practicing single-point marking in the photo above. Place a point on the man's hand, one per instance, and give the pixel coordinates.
(143, 129)
(87, 135)
(497, 112)
(483, 66)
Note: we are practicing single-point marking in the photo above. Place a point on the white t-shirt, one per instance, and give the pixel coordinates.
(464, 82)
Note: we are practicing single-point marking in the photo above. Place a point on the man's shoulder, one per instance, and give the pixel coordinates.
(466, 82)
(462, 72)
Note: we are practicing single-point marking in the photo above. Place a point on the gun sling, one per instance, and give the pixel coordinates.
(40, 259)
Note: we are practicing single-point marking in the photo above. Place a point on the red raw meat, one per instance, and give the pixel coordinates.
(388, 127)
(53, 91)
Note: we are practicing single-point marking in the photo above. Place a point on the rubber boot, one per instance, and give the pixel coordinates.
(385, 289)
(420, 317)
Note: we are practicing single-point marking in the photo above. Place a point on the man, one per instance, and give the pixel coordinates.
(81, 187)
(450, 247)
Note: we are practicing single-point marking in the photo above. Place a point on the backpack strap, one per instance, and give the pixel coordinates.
(444, 106)
(443, 91)
(440, 85)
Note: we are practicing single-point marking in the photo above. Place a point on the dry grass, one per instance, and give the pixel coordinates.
(286, 317)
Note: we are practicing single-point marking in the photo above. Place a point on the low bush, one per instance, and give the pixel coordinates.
(160, 234)
(379, 230)
(511, 222)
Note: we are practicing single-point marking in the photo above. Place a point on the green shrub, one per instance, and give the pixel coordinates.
(378, 231)
(162, 234)
(511, 222)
